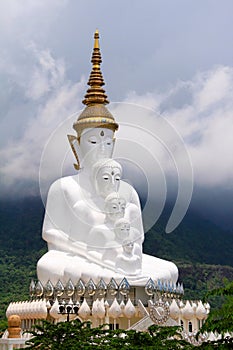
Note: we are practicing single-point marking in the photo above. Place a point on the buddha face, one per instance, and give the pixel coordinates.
(115, 209)
(128, 247)
(95, 144)
(122, 229)
(107, 180)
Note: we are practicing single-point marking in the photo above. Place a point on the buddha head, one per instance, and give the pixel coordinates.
(106, 175)
(95, 144)
(122, 229)
(95, 126)
(128, 247)
(114, 207)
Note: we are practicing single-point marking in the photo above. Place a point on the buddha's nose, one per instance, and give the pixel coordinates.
(102, 146)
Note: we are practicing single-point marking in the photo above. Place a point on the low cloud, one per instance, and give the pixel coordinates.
(50, 97)
(47, 74)
(201, 111)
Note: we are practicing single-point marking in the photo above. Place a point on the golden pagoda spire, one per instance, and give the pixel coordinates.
(95, 114)
(95, 94)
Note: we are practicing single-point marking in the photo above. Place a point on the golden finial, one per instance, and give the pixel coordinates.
(96, 37)
(96, 94)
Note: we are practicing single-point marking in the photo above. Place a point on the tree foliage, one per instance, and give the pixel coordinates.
(220, 320)
(76, 335)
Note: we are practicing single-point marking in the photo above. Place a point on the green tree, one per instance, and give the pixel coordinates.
(220, 320)
(3, 326)
(76, 335)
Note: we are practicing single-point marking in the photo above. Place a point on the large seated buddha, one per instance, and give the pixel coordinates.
(93, 224)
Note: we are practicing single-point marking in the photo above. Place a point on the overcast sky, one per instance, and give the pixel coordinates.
(175, 57)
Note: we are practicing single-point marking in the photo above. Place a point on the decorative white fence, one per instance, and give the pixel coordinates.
(11, 344)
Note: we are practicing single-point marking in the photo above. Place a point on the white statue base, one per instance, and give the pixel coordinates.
(76, 267)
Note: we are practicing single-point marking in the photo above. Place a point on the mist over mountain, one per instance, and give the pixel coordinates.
(195, 240)
(216, 205)
(211, 204)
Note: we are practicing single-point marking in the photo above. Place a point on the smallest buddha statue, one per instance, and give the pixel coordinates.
(122, 253)
(128, 261)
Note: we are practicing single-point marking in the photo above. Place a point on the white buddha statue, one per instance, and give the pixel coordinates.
(128, 261)
(76, 206)
(123, 252)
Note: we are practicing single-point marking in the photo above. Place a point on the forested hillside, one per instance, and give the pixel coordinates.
(196, 246)
(194, 240)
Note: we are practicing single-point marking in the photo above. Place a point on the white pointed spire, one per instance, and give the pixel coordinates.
(201, 312)
(187, 311)
(54, 311)
(115, 309)
(84, 310)
(129, 310)
(101, 309)
(94, 310)
(174, 310)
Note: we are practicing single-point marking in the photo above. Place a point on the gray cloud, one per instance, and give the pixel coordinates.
(173, 57)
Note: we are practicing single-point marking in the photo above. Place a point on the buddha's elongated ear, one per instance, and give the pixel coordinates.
(74, 143)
